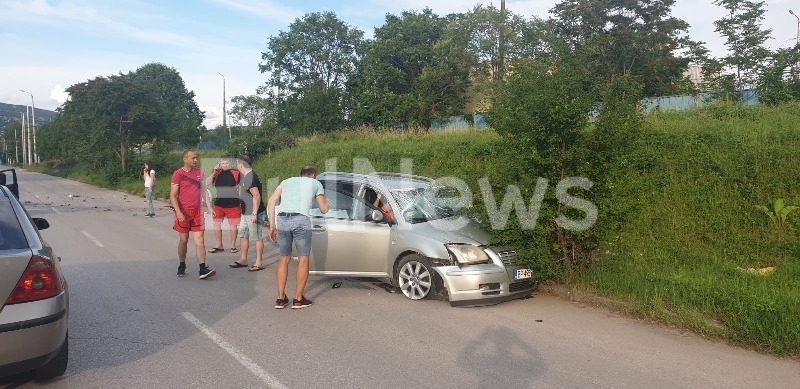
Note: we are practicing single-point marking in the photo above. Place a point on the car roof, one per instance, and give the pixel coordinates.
(391, 181)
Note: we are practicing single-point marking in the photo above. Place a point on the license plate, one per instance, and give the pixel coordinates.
(522, 274)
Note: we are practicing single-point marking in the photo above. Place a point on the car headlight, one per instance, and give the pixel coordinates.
(467, 254)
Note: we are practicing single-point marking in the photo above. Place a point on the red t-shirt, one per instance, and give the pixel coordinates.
(189, 185)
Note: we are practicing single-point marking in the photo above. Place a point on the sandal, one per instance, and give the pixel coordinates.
(236, 264)
(234, 250)
(256, 268)
(215, 249)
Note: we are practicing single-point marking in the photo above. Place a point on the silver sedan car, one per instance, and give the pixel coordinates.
(34, 299)
(402, 228)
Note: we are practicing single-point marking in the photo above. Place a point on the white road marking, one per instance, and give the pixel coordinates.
(268, 379)
(55, 210)
(95, 241)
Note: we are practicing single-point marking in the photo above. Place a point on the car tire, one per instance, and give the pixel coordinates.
(57, 366)
(415, 277)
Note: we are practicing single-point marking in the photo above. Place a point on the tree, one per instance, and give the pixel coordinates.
(494, 41)
(620, 37)
(106, 117)
(494, 38)
(411, 73)
(741, 28)
(252, 110)
(780, 81)
(542, 110)
(316, 56)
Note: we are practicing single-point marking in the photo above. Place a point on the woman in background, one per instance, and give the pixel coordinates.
(149, 176)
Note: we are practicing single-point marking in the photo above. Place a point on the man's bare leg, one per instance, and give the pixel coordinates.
(259, 253)
(233, 232)
(200, 246)
(282, 274)
(302, 277)
(183, 243)
(218, 234)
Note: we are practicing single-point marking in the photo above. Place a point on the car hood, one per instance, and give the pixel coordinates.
(457, 229)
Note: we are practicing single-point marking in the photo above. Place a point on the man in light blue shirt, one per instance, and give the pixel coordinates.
(292, 224)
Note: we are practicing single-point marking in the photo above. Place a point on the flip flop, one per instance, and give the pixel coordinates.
(256, 268)
(234, 250)
(215, 250)
(236, 264)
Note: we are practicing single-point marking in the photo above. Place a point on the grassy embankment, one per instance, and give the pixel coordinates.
(678, 259)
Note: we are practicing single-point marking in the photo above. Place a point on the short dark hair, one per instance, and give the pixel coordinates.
(308, 171)
(245, 160)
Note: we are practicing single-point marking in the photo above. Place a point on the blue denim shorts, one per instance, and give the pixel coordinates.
(297, 230)
(252, 231)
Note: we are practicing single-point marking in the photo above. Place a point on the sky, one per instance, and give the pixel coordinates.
(216, 45)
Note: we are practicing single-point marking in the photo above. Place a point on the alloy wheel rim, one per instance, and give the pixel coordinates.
(415, 280)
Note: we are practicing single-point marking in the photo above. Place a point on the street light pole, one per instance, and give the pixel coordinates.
(25, 129)
(33, 119)
(797, 37)
(224, 111)
(16, 145)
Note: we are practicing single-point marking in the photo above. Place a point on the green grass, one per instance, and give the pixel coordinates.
(677, 260)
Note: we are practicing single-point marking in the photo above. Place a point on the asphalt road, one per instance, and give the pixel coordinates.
(134, 324)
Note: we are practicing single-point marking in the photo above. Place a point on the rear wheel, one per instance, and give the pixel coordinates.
(415, 277)
(57, 366)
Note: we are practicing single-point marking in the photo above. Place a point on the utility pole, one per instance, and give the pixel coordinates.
(502, 44)
(24, 136)
(16, 145)
(224, 111)
(33, 119)
(122, 139)
(797, 37)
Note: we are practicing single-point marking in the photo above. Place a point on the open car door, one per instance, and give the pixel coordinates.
(12, 185)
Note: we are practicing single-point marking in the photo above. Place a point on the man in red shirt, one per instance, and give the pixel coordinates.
(186, 194)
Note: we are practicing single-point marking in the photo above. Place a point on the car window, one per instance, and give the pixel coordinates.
(340, 199)
(11, 235)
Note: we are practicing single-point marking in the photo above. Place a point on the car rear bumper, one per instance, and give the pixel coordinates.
(468, 288)
(31, 334)
(29, 364)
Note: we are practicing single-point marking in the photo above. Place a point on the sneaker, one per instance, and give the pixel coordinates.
(302, 303)
(181, 269)
(282, 303)
(207, 272)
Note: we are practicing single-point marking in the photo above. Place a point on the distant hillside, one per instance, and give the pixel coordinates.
(10, 113)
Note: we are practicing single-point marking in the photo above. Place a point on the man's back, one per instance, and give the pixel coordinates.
(298, 193)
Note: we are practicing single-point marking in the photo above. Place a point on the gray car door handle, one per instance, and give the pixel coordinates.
(317, 227)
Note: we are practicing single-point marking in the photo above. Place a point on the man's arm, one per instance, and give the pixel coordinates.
(173, 199)
(322, 203)
(256, 199)
(271, 203)
(204, 192)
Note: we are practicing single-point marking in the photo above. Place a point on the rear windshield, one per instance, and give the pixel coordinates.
(11, 235)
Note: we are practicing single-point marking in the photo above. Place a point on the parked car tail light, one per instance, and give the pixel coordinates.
(39, 281)
(467, 254)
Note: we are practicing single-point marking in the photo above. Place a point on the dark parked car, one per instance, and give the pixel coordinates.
(34, 297)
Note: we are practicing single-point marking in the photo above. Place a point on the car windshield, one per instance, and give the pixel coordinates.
(424, 204)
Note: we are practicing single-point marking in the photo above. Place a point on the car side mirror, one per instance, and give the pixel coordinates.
(41, 223)
(376, 215)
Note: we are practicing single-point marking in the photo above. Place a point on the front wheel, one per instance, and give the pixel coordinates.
(415, 277)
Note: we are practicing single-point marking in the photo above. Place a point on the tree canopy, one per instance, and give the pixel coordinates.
(107, 117)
